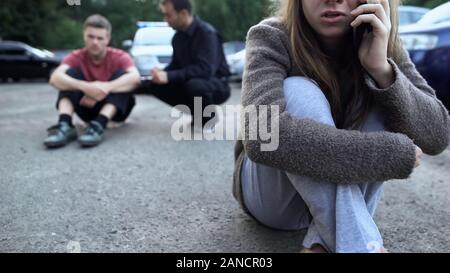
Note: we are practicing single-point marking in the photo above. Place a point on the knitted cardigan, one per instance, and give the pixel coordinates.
(411, 112)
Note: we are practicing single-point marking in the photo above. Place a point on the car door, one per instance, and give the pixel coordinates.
(33, 65)
(3, 71)
(14, 61)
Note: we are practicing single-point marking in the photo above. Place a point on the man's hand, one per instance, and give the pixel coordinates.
(94, 91)
(104, 86)
(159, 76)
(88, 102)
(419, 154)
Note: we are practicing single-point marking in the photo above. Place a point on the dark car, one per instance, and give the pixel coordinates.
(20, 61)
(428, 43)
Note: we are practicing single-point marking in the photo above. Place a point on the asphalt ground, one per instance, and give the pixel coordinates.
(142, 191)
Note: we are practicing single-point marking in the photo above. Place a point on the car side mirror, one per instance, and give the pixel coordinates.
(127, 45)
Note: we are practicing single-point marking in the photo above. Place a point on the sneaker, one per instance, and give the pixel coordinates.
(92, 135)
(60, 135)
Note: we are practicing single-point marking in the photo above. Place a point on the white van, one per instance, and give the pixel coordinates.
(151, 47)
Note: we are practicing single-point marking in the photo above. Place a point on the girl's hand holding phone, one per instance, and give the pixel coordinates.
(374, 45)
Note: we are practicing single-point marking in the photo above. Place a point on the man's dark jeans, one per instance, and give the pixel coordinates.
(213, 91)
(124, 102)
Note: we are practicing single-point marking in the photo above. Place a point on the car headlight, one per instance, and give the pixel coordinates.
(419, 41)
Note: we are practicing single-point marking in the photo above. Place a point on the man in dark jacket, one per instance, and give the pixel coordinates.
(198, 67)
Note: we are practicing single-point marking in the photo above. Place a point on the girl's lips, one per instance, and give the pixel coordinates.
(331, 19)
(332, 16)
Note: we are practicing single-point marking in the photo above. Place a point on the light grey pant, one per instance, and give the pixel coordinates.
(339, 217)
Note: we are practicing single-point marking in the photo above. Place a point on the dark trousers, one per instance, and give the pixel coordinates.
(124, 102)
(212, 91)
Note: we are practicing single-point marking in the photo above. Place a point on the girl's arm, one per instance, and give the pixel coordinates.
(410, 107)
(307, 147)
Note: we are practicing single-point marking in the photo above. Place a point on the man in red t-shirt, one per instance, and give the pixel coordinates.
(96, 83)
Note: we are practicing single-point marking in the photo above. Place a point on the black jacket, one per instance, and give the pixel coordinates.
(198, 53)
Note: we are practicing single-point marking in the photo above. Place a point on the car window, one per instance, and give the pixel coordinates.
(12, 52)
(405, 18)
(154, 36)
(416, 16)
(437, 15)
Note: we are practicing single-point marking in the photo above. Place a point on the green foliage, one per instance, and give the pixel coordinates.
(19, 19)
(123, 15)
(65, 34)
(54, 24)
(233, 18)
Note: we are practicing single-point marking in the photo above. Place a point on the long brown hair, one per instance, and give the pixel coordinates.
(350, 100)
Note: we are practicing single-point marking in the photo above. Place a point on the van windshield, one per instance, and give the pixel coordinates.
(154, 36)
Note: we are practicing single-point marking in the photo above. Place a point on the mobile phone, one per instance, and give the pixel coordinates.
(358, 33)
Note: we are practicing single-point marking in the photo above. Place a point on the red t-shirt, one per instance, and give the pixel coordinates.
(115, 60)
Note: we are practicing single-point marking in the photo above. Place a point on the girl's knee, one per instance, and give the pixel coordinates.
(304, 99)
(374, 122)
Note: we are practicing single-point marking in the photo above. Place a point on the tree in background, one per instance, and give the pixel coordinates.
(54, 24)
(123, 15)
(19, 19)
(233, 18)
